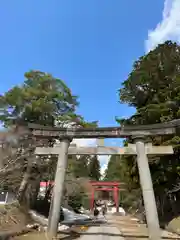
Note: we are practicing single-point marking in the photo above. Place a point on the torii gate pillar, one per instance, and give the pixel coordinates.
(116, 198)
(56, 200)
(147, 190)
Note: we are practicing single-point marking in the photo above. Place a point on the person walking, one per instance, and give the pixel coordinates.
(96, 213)
(104, 210)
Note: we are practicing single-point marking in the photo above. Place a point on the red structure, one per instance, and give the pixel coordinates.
(106, 186)
(46, 184)
(98, 186)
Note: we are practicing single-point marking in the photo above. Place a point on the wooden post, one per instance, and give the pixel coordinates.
(58, 188)
(147, 190)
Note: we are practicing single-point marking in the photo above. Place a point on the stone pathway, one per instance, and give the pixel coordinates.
(131, 229)
(121, 227)
(102, 232)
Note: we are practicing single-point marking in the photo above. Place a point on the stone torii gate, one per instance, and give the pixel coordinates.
(138, 133)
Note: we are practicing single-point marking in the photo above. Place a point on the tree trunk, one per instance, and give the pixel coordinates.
(24, 185)
(1, 157)
(34, 190)
(1, 163)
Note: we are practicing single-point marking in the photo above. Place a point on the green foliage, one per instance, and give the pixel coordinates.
(153, 85)
(114, 171)
(78, 199)
(75, 201)
(79, 166)
(122, 169)
(153, 88)
(84, 167)
(94, 168)
(41, 99)
(46, 100)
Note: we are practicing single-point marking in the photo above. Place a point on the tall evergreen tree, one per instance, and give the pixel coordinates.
(41, 99)
(94, 168)
(80, 167)
(153, 88)
(123, 170)
(114, 171)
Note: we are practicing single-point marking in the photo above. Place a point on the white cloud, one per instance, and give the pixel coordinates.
(104, 166)
(168, 28)
(104, 162)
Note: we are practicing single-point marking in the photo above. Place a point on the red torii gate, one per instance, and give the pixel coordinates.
(98, 186)
(105, 186)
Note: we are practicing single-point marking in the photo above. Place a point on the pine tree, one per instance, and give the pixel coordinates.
(80, 168)
(153, 88)
(94, 168)
(113, 170)
(41, 99)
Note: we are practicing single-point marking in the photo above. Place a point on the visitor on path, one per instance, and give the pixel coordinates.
(96, 213)
(104, 210)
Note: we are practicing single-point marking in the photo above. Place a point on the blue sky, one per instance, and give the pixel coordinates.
(89, 44)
